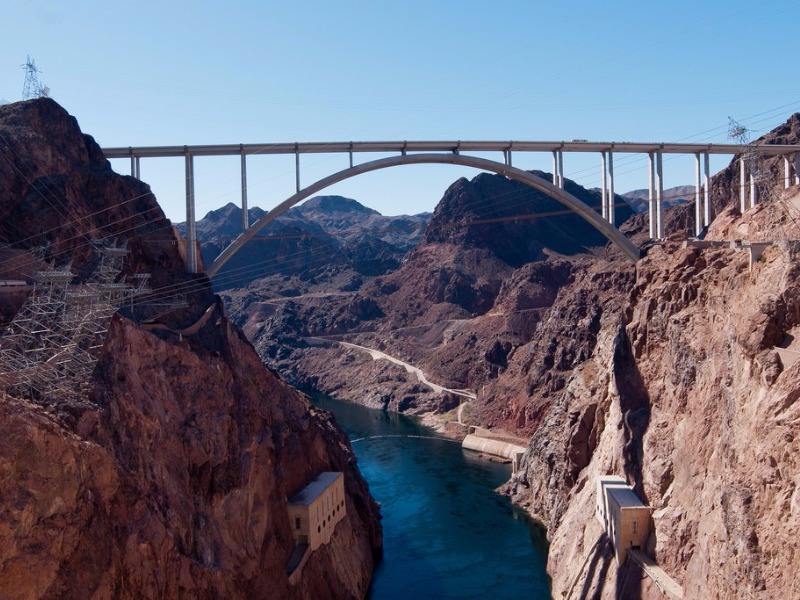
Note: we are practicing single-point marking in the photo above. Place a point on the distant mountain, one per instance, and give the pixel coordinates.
(324, 232)
(680, 194)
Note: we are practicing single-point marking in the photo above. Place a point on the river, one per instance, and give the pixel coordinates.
(446, 533)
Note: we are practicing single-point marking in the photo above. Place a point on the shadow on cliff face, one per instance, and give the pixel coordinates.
(634, 404)
(628, 584)
(629, 581)
(594, 569)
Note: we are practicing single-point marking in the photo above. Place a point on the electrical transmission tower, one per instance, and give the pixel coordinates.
(748, 152)
(52, 344)
(33, 88)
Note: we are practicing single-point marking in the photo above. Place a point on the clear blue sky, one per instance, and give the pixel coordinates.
(178, 72)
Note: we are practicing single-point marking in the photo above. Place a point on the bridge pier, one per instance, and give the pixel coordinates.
(135, 172)
(297, 167)
(706, 191)
(603, 186)
(651, 195)
(611, 187)
(191, 232)
(245, 215)
(558, 169)
(659, 196)
(797, 168)
(698, 209)
(607, 185)
(742, 185)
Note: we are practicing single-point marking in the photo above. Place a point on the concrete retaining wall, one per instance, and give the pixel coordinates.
(494, 447)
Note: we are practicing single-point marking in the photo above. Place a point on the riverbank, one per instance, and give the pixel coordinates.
(447, 533)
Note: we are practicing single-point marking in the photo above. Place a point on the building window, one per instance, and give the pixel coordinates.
(297, 522)
(634, 527)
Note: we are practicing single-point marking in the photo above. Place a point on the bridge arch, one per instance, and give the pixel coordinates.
(573, 203)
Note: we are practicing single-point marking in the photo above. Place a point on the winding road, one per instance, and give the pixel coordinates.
(378, 355)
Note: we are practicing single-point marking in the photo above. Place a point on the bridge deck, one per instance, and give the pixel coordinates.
(668, 586)
(441, 146)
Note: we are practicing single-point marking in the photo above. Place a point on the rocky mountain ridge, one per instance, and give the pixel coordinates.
(329, 235)
(169, 476)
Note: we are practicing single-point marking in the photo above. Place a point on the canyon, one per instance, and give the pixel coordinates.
(167, 473)
(677, 373)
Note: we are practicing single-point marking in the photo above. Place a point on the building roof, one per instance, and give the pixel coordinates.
(606, 479)
(625, 497)
(312, 491)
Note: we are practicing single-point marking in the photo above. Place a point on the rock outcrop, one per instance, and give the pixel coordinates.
(170, 476)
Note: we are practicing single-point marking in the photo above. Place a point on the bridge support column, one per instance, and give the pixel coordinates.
(651, 195)
(297, 167)
(797, 169)
(659, 195)
(742, 185)
(507, 157)
(603, 186)
(611, 201)
(753, 188)
(787, 172)
(245, 215)
(698, 208)
(135, 167)
(558, 168)
(191, 232)
(706, 192)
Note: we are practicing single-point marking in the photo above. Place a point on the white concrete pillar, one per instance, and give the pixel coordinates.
(698, 209)
(787, 172)
(611, 199)
(297, 167)
(191, 232)
(555, 168)
(706, 192)
(135, 167)
(651, 195)
(660, 195)
(797, 169)
(603, 185)
(753, 189)
(561, 169)
(742, 185)
(245, 215)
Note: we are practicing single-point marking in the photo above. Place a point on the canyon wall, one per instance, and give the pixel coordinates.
(167, 475)
(691, 394)
(677, 373)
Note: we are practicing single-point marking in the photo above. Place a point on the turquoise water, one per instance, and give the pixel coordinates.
(447, 534)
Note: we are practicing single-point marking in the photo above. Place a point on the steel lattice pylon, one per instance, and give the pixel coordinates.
(52, 344)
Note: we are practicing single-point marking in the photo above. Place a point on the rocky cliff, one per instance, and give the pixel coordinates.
(690, 393)
(677, 373)
(169, 476)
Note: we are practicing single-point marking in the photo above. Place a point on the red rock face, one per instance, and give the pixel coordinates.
(690, 393)
(169, 478)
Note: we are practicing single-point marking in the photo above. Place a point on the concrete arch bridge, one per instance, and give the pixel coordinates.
(450, 152)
